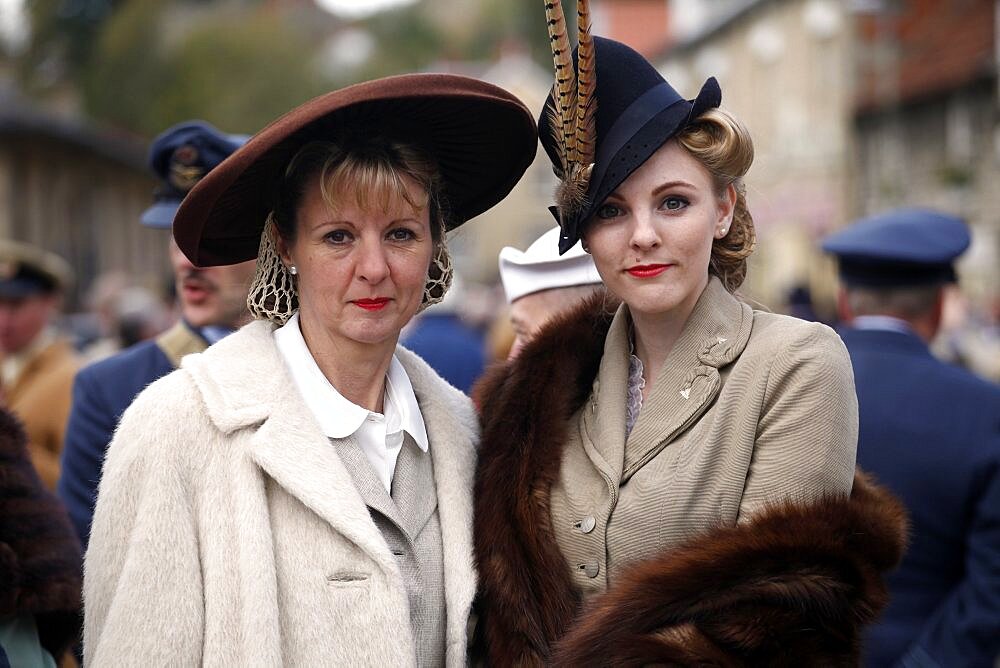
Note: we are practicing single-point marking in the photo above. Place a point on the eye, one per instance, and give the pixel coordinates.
(338, 237)
(674, 203)
(607, 211)
(401, 234)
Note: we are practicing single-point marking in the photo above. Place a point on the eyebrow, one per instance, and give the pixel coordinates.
(672, 184)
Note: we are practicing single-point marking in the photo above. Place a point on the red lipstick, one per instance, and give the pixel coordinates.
(371, 304)
(647, 270)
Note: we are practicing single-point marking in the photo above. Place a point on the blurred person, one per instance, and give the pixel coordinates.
(40, 567)
(671, 481)
(124, 314)
(931, 433)
(540, 284)
(38, 364)
(442, 338)
(212, 304)
(300, 492)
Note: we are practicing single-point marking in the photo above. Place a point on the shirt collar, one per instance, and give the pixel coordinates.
(883, 322)
(337, 416)
(399, 392)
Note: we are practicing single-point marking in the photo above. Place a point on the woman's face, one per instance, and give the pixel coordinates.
(361, 274)
(651, 239)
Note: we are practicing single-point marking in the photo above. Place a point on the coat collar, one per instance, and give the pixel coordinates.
(715, 334)
(290, 446)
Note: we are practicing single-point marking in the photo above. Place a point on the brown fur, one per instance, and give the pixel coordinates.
(40, 562)
(792, 588)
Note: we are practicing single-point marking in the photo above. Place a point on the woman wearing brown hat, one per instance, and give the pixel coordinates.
(300, 493)
(682, 497)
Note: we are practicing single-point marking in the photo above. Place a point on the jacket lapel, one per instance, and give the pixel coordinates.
(452, 449)
(715, 334)
(410, 493)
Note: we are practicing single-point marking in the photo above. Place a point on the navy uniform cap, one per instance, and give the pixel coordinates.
(180, 156)
(27, 270)
(902, 247)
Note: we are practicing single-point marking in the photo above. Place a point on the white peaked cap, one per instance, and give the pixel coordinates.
(542, 268)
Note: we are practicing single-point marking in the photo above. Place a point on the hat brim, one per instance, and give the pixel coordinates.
(482, 137)
(160, 216)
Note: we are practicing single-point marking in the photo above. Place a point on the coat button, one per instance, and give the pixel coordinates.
(591, 568)
(587, 524)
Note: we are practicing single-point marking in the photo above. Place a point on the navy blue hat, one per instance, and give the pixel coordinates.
(899, 248)
(637, 111)
(180, 156)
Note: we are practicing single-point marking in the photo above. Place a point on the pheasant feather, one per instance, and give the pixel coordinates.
(572, 115)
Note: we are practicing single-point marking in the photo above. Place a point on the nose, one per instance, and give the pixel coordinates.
(644, 235)
(373, 265)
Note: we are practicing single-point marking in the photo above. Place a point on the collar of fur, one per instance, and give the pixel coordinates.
(794, 586)
(40, 564)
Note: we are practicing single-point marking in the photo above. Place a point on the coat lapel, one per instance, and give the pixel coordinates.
(288, 444)
(715, 334)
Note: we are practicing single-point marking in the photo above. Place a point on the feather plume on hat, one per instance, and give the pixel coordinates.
(573, 113)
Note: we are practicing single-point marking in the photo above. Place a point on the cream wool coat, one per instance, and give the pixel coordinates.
(228, 532)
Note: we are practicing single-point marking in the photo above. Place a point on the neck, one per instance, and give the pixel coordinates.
(356, 370)
(656, 334)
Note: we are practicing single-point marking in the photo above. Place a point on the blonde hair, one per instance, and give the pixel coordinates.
(371, 171)
(722, 144)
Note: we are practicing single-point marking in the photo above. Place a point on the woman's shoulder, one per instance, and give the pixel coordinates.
(774, 334)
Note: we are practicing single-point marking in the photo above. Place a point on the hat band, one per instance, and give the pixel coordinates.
(645, 107)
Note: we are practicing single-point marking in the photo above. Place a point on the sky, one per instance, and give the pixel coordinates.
(12, 23)
(353, 8)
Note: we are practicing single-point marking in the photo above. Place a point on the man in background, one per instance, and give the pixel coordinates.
(212, 304)
(37, 364)
(931, 433)
(540, 284)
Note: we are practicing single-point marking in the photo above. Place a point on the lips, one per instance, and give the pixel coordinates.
(647, 270)
(195, 291)
(375, 304)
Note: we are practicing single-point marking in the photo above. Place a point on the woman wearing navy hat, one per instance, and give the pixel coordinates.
(300, 493)
(683, 495)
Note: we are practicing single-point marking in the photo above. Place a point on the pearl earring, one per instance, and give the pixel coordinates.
(293, 270)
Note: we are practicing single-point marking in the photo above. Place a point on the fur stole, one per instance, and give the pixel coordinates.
(40, 562)
(794, 587)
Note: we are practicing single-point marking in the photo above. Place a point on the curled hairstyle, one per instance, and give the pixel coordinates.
(368, 167)
(722, 144)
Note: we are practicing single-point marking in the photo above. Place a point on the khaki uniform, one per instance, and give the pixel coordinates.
(41, 396)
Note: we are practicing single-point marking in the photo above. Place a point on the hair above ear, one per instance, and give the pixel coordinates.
(722, 144)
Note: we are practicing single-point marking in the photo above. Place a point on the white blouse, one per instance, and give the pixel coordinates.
(379, 435)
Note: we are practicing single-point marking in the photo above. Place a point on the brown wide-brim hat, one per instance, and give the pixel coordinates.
(481, 136)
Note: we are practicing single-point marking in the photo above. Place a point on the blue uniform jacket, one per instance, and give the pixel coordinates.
(452, 348)
(931, 433)
(101, 393)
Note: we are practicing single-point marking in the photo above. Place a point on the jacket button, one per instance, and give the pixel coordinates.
(591, 568)
(587, 524)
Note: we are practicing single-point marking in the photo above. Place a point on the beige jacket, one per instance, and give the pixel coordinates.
(41, 398)
(229, 533)
(749, 408)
